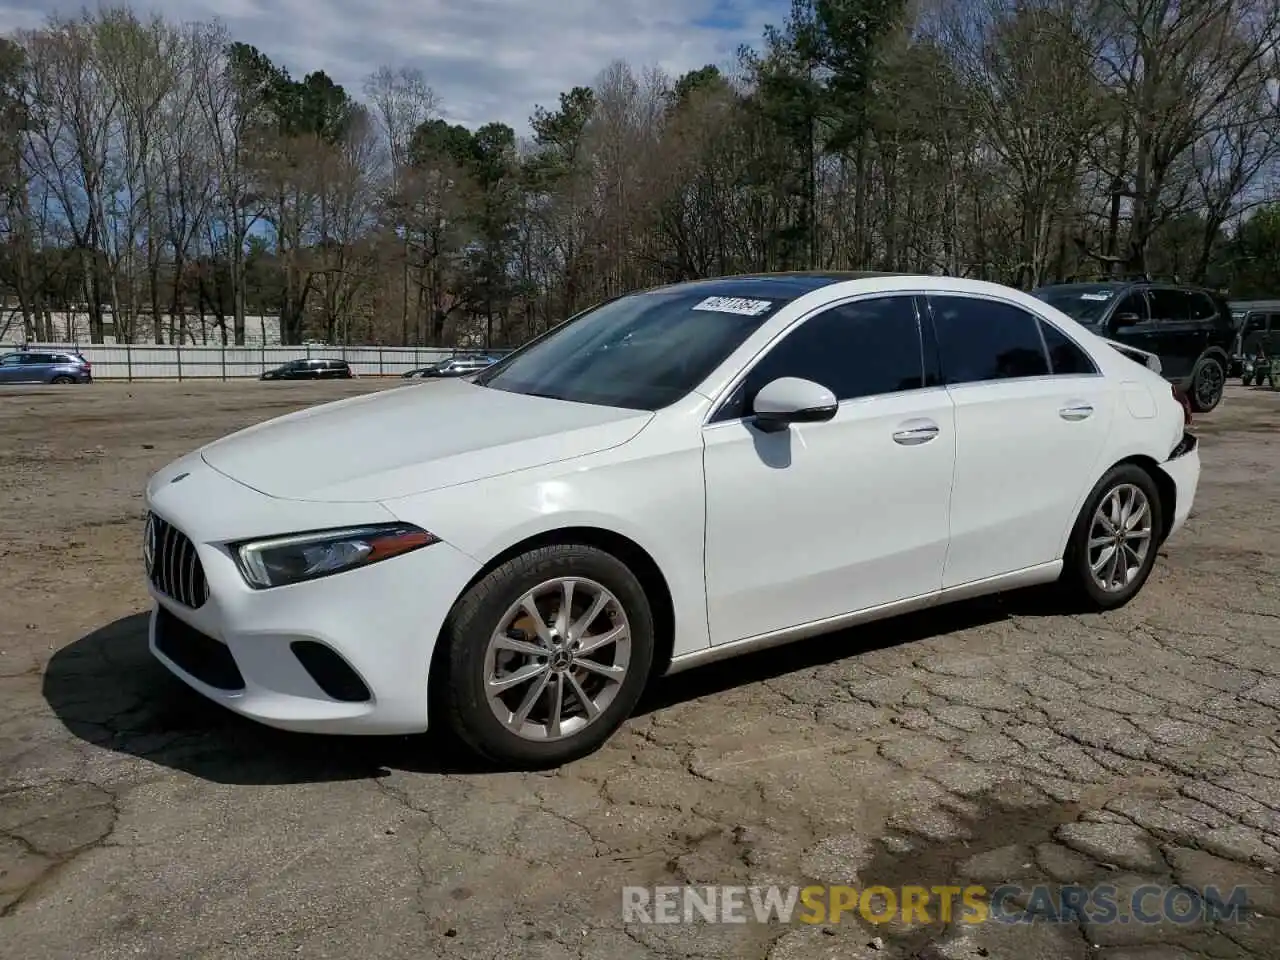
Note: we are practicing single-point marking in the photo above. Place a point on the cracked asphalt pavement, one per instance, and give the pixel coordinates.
(996, 741)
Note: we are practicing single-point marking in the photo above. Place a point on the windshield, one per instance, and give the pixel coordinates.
(1083, 303)
(642, 352)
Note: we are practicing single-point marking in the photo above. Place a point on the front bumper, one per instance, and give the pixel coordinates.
(349, 653)
(1183, 468)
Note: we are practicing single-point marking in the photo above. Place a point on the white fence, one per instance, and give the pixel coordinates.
(73, 327)
(152, 362)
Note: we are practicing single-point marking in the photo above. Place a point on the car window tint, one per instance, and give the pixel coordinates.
(1202, 306)
(855, 350)
(642, 351)
(1169, 305)
(1065, 356)
(987, 340)
(1135, 303)
(11, 360)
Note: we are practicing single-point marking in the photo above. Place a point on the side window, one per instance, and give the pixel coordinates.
(11, 360)
(1170, 306)
(857, 349)
(1135, 303)
(984, 340)
(1202, 307)
(1065, 356)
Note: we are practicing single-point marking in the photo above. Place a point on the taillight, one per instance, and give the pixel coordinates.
(1181, 397)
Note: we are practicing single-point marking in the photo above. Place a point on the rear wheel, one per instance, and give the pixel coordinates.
(63, 378)
(1207, 384)
(546, 656)
(1114, 542)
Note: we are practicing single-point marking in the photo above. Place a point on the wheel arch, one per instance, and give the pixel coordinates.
(1218, 353)
(1165, 486)
(625, 549)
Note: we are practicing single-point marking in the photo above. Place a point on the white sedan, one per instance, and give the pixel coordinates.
(674, 477)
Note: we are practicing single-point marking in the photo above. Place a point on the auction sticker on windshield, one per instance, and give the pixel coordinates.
(1095, 296)
(738, 305)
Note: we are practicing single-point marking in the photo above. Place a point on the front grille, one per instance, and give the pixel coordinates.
(206, 659)
(173, 566)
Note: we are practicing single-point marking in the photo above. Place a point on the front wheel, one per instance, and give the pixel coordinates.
(546, 656)
(1115, 539)
(1207, 384)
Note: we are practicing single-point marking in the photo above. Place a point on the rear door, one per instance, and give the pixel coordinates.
(1032, 417)
(1211, 325)
(1178, 339)
(37, 367)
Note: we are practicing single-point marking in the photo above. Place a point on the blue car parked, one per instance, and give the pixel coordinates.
(41, 366)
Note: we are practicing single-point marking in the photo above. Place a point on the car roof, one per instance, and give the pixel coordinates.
(790, 285)
(1089, 285)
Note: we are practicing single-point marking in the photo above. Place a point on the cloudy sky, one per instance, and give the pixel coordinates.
(486, 59)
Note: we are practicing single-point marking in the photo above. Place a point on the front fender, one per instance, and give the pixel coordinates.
(646, 491)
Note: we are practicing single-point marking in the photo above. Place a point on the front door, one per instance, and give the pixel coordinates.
(11, 368)
(824, 519)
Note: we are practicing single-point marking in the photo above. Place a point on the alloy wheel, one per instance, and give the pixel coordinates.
(1120, 537)
(557, 659)
(1209, 385)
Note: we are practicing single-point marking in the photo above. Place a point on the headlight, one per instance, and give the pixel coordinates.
(278, 561)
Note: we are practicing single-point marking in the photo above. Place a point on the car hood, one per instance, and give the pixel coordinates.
(413, 439)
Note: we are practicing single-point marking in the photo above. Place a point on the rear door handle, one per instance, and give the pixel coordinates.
(1076, 411)
(916, 432)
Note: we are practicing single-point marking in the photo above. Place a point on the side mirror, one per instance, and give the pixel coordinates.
(1126, 319)
(789, 400)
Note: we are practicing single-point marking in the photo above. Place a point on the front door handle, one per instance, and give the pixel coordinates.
(1076, 411)
(916, 432)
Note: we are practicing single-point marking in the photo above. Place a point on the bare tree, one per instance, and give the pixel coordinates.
(230, 106)
(72, 113)
(1173, 68)
(1029, 70)
(402, 101)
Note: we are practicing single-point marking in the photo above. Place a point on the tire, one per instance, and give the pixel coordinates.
(1207, 383)
(63, 379)
(466, 660)
(1077, 574)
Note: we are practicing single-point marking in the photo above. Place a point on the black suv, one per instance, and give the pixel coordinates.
(1189, 328)
(310, 370)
